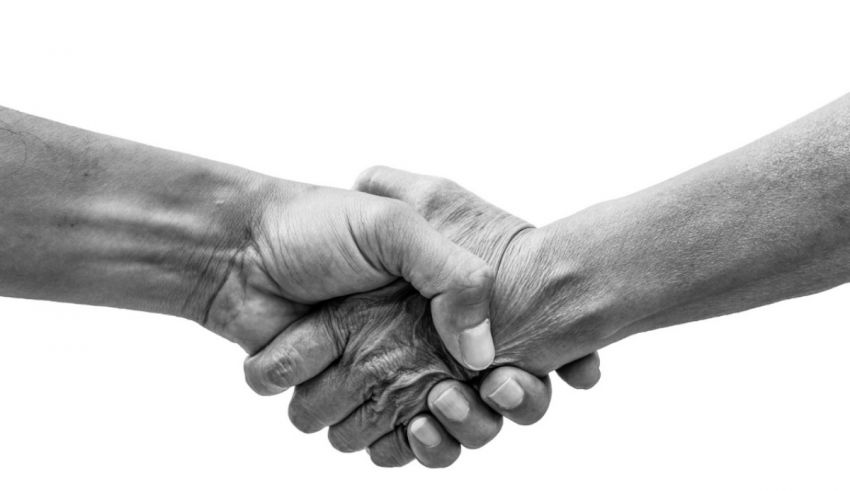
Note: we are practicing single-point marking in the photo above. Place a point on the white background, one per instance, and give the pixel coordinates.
(543, 108)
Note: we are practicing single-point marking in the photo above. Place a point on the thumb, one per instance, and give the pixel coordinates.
(457, 282)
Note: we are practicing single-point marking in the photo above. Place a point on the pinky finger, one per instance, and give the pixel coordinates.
(431, 444)
(392, 449)
(583, 373)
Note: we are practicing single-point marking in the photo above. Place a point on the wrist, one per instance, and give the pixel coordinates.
(93, 219)
(176, 228)
(555, 299)
(220, 218)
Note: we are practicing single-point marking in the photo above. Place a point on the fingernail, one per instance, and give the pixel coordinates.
(425, 432)
(508, 395)
(453, 405)
(476, 346)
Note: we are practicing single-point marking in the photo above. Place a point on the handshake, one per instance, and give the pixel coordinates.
(402, 367)
(410, 315)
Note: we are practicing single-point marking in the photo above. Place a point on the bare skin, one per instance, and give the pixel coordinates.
(767, 222)
(92, 219)
(381, 359)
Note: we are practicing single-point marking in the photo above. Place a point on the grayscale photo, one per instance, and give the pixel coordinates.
(441, 245)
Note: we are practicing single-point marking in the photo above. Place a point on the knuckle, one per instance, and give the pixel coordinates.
(407, 395)
(366, 178)
(379, 367)
(282, 368)
(336, 320)
(434, 194)
(482, 275)
(261, 374)
(479, 276)
(438, 186)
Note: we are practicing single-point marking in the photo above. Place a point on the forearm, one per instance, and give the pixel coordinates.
(764, 223)
(91, 219)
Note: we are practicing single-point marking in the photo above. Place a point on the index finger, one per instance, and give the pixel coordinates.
(296, 355)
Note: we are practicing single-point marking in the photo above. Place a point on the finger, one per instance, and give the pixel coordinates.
(414, 189)
(583, 373)
(431, 444)
(327, 399)
(457, 282)
(392, 449)
(360, 428)
(382, 412)
(463, 414)
(516, 394)
(297, 354)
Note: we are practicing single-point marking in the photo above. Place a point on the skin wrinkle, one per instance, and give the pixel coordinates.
(165, 232)
(159, 237)
(537, 307)
(239, 249)
(394, 354)
(177, 249)
(704, 243)
(707, 222)
(365, 318)
(360, 250)
(238, 259)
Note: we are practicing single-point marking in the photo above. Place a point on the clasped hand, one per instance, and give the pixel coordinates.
(391, 365)
(409, 315)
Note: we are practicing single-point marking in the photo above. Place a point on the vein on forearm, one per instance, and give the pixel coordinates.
(93, 219)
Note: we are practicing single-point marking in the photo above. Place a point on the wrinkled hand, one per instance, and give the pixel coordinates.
(467, 220)
(383, 358)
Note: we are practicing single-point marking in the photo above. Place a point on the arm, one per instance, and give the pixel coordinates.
(98, 220)
(761, 224)
(764, 223)
(92, 219)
